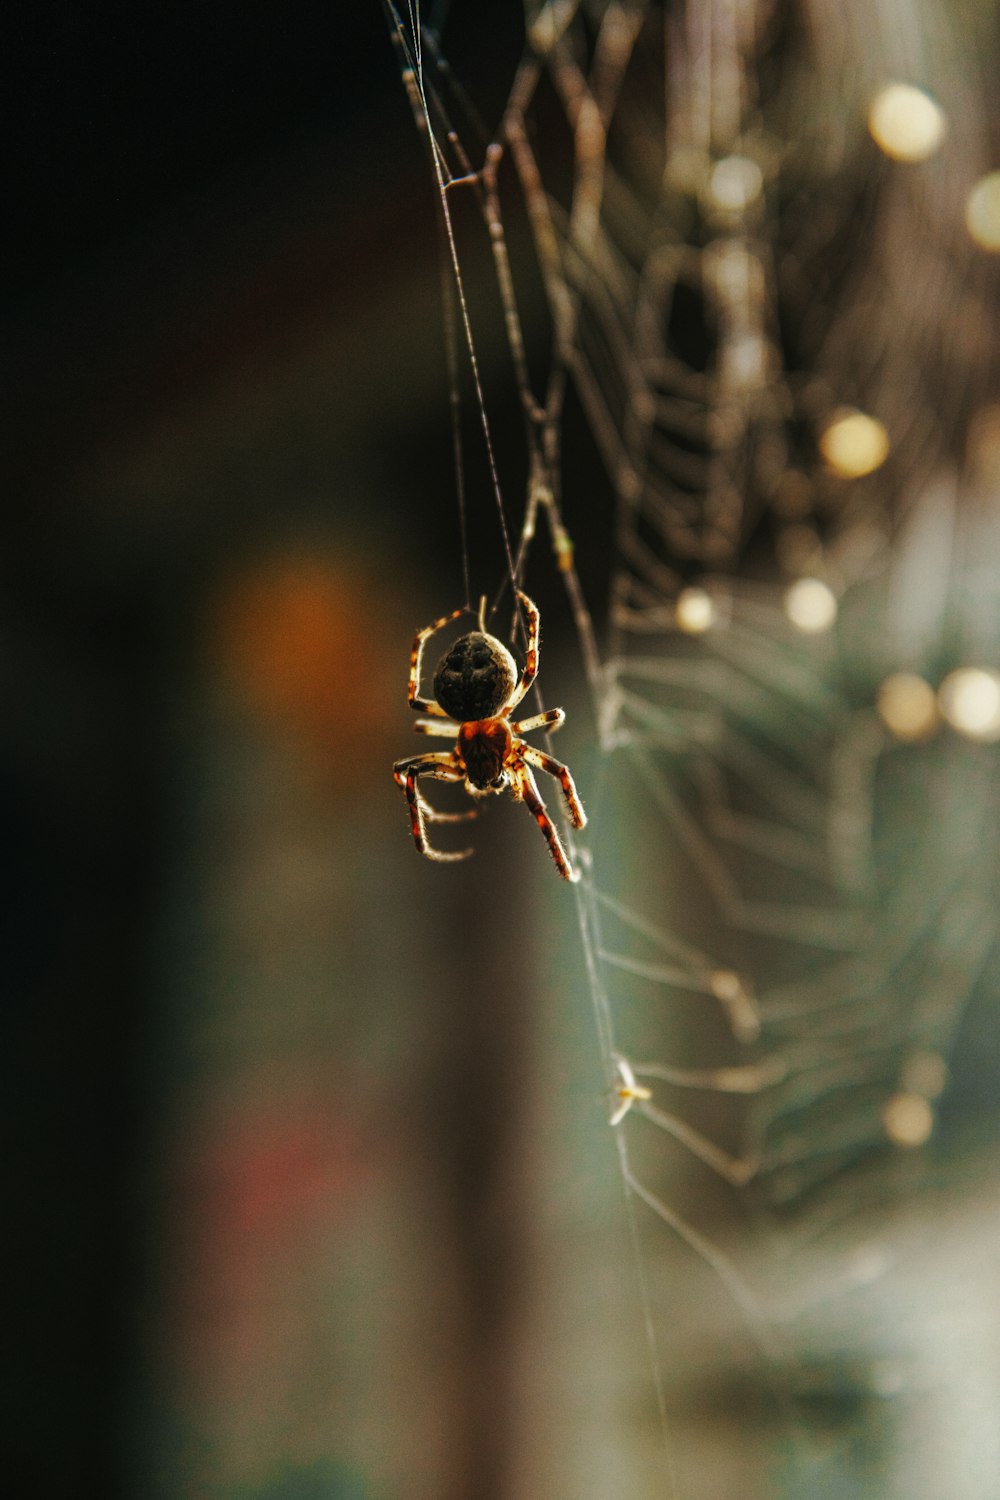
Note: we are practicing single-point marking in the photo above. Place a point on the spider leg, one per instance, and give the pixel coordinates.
(431, 813)
(445, 727)
(425, 705)
(531, 651)
(562, 774)
(553, 720)
(526, 791)
(442, 766)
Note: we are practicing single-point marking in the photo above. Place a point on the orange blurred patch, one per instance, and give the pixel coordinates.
(303, 638)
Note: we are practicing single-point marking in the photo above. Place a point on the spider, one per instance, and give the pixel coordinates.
(476, 689)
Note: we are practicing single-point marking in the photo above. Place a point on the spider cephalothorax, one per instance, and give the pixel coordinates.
(476, 689)
(485, 747)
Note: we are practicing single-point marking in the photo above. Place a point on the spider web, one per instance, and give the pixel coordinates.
(789, 911)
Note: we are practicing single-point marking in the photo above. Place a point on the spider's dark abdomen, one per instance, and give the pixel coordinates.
(475, 677)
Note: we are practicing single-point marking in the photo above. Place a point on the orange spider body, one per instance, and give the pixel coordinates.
(484, 750)
(476, 689)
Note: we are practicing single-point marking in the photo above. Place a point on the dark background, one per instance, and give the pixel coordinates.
(254, 1212)
(188, 191)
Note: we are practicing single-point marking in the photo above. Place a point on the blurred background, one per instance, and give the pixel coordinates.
(265, 1078)
(314, 1194)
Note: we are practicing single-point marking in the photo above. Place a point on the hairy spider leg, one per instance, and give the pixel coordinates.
(433, 815)
(530, 655)
(425, 705)
(434, 760)
(446, 727)
(552, 720)
(526, 790)
(562, 775)
(442, 766)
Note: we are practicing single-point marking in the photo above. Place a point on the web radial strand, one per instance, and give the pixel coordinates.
(427, 106)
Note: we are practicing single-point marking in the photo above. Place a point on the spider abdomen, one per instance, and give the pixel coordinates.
(475, 677)
(484, 745)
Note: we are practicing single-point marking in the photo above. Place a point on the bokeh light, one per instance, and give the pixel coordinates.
(853, 443)
(908, 706)
(811, 605)
(695, 611)
(970, 701)
(906, 123)
(735, 183)
(982, 212)
(908, 1119)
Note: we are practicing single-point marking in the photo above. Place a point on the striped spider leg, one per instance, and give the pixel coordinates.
(439, 724)
(447, 729)
(552, 720)
(425, 705)
(525, 789)
(561, 773)
(441, 765)
(530, 671)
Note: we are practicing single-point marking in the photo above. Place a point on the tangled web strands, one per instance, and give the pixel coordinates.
(721, 288)
(730, 264)
(725, 269)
